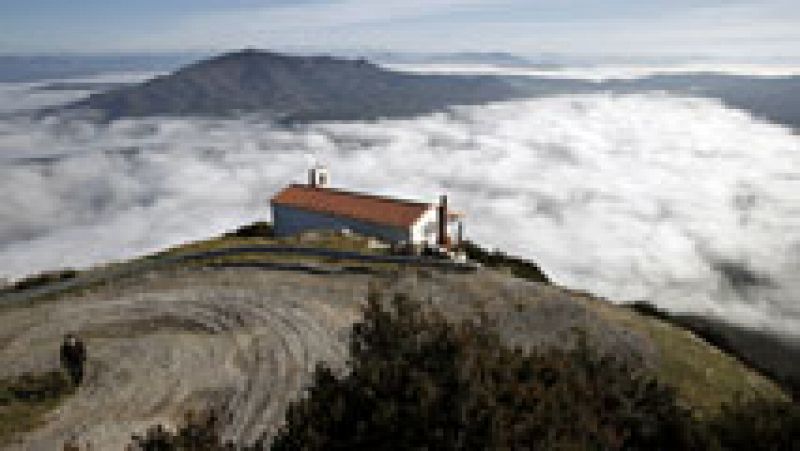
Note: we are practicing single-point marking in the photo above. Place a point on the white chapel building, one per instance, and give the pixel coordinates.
(316, 206)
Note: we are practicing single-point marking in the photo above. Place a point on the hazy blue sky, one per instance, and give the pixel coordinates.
(730, 29)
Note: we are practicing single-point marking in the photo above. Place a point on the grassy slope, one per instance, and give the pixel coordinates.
(25, 401)
(101, 275)
(704, 376)
(773, 355)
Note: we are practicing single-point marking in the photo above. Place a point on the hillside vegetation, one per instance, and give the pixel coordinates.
(26, 399)
(166, 337)
(418, 381)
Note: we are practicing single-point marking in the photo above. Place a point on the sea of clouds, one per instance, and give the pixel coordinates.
(30, 96)
(680, 201)
(604, 72)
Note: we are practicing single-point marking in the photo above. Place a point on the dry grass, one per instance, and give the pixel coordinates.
(320, 239)
(25, 400)
(705, 377)
(247, 339)
(85, 281)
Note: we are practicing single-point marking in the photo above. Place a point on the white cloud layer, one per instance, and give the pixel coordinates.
(681, 201)
(605, 72)
(20, 97)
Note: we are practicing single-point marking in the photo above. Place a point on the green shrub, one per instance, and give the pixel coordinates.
(25, 400)
(259, 229)
(418, 382)
(198, 433)
(521, 268)
(758, 425)
(45, 278)
(30, 387)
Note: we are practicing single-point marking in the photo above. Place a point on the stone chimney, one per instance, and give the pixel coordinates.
(442, 239)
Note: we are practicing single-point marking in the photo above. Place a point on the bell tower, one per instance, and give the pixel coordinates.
(318, 177)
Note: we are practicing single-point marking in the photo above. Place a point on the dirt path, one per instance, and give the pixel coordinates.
(242, 339)
(111, 273)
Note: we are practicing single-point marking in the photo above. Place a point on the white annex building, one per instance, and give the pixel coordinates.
(315, 206)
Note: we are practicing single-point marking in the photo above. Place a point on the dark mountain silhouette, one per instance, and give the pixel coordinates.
(294, 88)
(305, 88)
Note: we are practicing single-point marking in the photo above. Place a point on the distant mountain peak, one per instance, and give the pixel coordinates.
(292, 87)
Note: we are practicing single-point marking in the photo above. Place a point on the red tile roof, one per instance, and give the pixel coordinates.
(363, 207)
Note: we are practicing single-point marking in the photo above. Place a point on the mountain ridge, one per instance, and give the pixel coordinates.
(292, 88)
